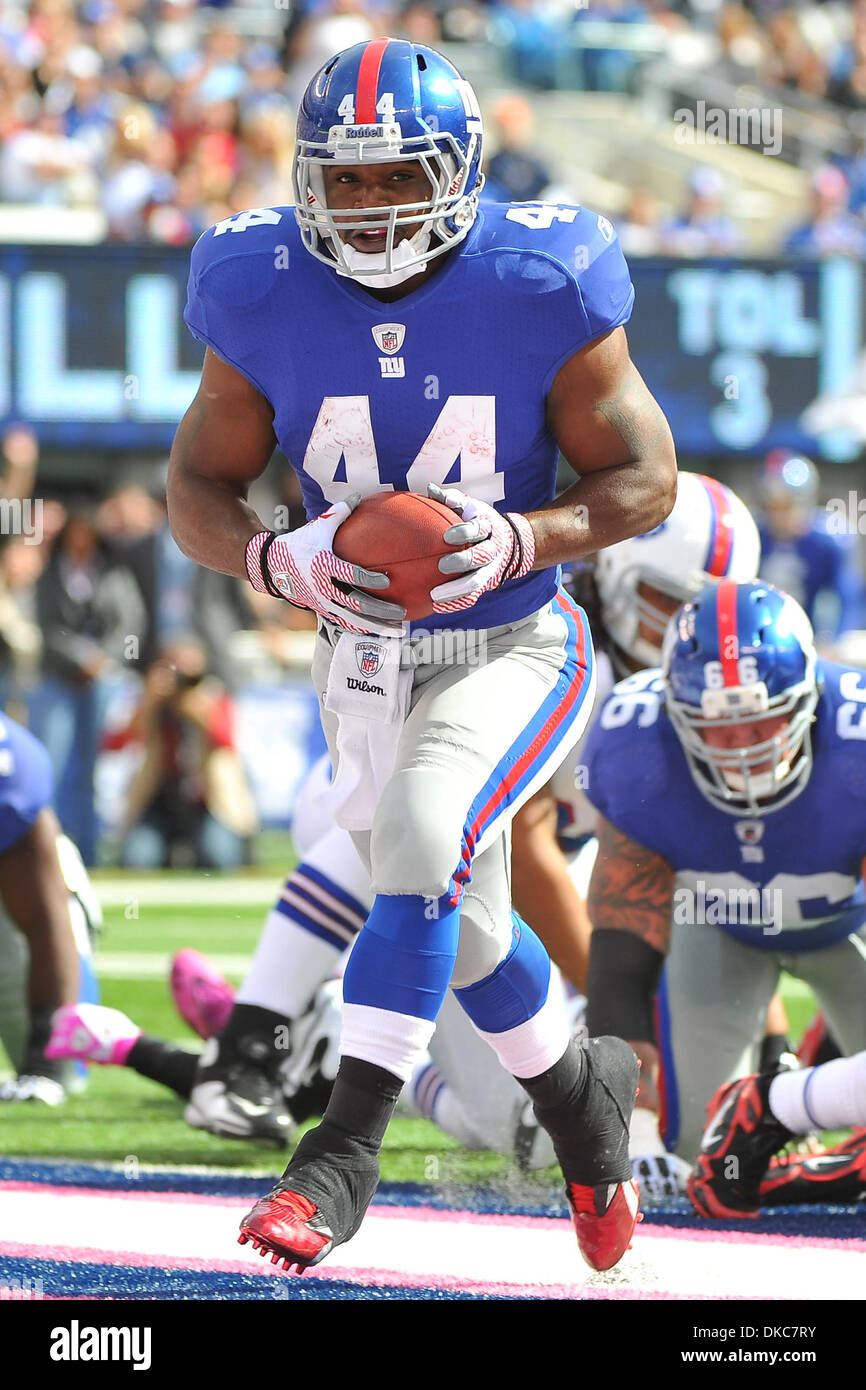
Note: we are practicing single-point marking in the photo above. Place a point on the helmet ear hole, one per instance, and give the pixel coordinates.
(422, 62)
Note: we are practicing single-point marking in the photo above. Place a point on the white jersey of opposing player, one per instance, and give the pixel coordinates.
(577, 816)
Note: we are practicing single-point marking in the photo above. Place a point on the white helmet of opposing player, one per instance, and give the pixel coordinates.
(709, 534)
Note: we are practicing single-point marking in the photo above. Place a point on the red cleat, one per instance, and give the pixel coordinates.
(604, 1218)
(831, 1175)
(289, 1228)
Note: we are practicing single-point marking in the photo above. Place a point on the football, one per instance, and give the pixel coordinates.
(400, 534)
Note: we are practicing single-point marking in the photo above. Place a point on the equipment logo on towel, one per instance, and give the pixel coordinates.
(369, 656)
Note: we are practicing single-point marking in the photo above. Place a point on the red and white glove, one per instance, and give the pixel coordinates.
(499, 546)
(302, 568)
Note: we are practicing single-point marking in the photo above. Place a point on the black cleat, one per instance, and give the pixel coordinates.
(237, 1092)
(741, 1136)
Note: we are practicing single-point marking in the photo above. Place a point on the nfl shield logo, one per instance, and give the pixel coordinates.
(369, 656)
(749, 832)
(389, 336)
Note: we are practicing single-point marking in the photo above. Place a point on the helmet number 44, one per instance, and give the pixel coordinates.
(384, 108)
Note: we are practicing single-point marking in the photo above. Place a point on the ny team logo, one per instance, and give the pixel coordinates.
(369, 656)
(388, 337)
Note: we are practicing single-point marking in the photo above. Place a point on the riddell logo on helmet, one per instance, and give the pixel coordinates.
(455, 184)
(363, 132)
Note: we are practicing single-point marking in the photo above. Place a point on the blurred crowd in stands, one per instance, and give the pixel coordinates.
(97, 602)
(168, 115)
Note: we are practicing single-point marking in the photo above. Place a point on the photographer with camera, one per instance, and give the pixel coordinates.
(189, 801)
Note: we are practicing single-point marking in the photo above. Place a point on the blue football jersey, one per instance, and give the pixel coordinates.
(818, 569)
(795, 872)
(446, 385)
(26, 782)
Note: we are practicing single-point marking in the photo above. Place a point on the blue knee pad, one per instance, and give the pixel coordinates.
(515, 991)
(404, 955)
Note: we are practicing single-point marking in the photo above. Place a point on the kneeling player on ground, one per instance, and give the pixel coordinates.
(47, 910)
(732, 790)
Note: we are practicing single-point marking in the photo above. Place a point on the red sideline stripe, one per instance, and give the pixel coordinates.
(368, 82)
(541, 738)
(729, 645)
(723, 538)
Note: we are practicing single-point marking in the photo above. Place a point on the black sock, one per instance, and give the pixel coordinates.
(585, 1102)
(336, 1165)
(250, 1026)
(35, 1062)
(163, 1062)
(773, 1048)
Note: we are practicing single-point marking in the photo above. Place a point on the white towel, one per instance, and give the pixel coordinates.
(369, 691)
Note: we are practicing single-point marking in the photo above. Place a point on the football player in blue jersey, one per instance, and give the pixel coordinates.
(801, 555)
(502, 343)
(46, 910)
(731, 787)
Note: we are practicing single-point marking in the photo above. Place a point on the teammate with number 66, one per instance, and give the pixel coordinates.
(731, 786)
(388, 333)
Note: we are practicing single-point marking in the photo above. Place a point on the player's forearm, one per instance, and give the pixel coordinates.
(544, 894)
(210, 520)
(602, 508)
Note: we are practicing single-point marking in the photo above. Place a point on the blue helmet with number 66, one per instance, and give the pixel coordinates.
(382, 102)
(741, 692)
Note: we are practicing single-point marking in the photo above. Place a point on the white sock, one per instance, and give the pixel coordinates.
(394, 1041)
(533, 1047)
(832, 1096)
(429, 1095)
(288, 967)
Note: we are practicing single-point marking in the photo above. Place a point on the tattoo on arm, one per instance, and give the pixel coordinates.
(631, 888)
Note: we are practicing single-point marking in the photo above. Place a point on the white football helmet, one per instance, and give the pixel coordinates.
(710, 534)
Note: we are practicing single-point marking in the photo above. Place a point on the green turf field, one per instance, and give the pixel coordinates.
(124, 1119)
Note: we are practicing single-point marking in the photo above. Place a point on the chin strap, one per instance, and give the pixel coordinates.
(358, 262)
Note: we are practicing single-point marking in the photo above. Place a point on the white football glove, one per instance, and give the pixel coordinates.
(660, 1174)
(302, 568)
(499, 546)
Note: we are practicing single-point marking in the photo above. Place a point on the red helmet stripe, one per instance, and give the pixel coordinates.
(368, 82)
(722, 544)
(726, 617)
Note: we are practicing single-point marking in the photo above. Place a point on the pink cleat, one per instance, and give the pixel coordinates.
(92, 1033)
(202, 996)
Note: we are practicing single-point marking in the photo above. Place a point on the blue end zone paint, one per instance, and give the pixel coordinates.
(832, 1222)
(117, 1282)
